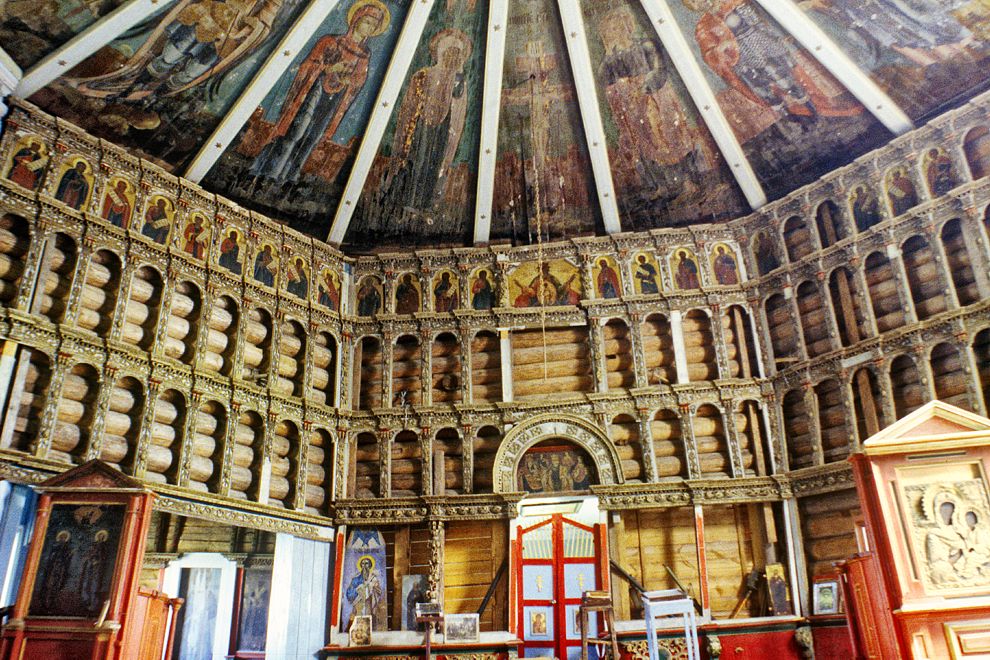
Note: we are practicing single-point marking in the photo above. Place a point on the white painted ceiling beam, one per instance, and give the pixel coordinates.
(10, 75)
(395, 75)
(591, 116)
(704, 98)
(268, 75)
(498, 12)
(87, 42)
(838, 63)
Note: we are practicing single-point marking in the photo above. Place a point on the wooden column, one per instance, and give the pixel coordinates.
(866, 304)
(426, 370)
(972, 233)
(426, 449)
(646, 443)
(903, 288)
(437, 541)
(388, 353)
(467, 457)
(344, 371)
(105, 385)
(467, 382)
(233, 419)
(385, 462)
(37, 261)
(345, 472)
(127, 271)
(685, 418)
(718, 337)
(62, 363)
(169, 282)
(811, 405)
(835, 342)
(147, 421)
(302, 464)
(942, 267)
(186, 450)
(732, 438)
(85, 253)
(790, 296)
(639, 357)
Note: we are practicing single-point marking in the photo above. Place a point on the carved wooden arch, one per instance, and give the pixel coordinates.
(555, 425)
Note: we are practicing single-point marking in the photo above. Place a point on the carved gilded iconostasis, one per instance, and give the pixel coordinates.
(522, 296)
(253, 375)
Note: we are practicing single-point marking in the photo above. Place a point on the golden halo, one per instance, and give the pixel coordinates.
(369, 558)
(386, 16)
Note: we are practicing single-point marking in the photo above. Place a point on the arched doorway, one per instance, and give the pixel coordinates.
(559, 540)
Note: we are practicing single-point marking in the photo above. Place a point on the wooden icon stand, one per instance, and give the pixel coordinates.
(79, 595)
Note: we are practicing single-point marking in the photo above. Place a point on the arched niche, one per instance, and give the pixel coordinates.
(566, 428)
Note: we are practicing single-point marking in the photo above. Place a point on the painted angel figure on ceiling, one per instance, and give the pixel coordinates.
(196, 40)
(326, 84)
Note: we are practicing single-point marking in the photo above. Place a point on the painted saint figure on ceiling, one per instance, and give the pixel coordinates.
(197, 40)
(429, 127)
(325, 85)
(73, 188)
(27, 165)
(117, 204)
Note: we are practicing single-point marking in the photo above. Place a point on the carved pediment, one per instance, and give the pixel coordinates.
(92, 475)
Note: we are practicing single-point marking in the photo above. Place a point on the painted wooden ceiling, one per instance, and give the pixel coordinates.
(391, 123)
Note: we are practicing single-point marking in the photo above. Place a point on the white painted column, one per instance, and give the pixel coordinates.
(505, 356)
(680, 354)
(17, 507)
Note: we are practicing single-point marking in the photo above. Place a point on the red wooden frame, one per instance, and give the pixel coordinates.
(557, 601)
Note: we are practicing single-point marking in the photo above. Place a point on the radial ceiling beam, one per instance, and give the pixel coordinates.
(704, 98)
(10, 75)
(87, 42)
(498, 12)
(591, 116)
(268, 75)
(833, 58)
(395, 75)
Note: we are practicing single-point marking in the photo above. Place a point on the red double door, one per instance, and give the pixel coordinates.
(558, 560)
